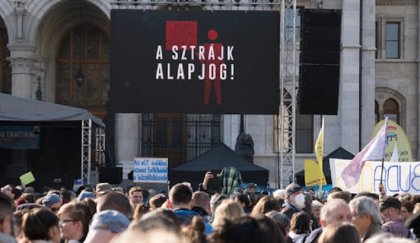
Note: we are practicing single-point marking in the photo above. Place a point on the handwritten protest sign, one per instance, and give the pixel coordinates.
(150, 170)
(397, 177)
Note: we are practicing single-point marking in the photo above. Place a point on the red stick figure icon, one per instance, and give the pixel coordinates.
(212, 68)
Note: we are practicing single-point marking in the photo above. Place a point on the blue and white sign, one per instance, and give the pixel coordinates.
(150, 170)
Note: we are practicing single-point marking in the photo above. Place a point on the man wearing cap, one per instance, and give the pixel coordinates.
(295, 200)
(106, 225)
(103, 188)
(52, 201)
(391, 215)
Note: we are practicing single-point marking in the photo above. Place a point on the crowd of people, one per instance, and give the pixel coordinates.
(107, 213)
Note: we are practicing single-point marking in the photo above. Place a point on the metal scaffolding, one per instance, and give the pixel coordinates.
(288, 91)
(86, 150)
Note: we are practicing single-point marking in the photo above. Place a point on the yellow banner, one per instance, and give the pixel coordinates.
(319, 145)
(312, 173)
(395, 135)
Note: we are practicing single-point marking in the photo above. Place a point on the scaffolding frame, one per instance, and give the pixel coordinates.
(288, 93)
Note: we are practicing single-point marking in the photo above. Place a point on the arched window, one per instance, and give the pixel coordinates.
(391, 110)
(85, 48)
(5, 70)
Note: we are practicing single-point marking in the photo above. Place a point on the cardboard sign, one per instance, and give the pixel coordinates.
(150, 170)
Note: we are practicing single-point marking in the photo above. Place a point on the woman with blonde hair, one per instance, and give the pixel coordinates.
(229, 209)
(264, 205)
(74, 221)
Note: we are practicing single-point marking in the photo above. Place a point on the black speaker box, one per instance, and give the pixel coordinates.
(318, 89)
(112, 175)
(320, 36)
(319, 61)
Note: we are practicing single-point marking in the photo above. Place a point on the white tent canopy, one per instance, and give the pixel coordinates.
(14, 108)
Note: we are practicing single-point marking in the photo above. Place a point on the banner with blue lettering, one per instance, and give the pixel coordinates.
(18, 137)
(150, 170)
(397, 177)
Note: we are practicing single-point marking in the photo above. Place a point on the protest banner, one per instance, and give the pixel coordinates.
(150, 170)
(397, 177)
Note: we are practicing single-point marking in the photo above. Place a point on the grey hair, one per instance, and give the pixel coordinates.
(330, 207)
(366, 205)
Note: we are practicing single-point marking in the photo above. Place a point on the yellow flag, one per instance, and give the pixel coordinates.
(312, 176)
(319, 153)
(319, 146)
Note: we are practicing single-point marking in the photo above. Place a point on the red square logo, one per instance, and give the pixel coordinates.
(181, 33)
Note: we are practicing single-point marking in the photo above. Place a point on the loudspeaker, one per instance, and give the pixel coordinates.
(320, 36)
(318, 89)
(319, 61)
(112, 175)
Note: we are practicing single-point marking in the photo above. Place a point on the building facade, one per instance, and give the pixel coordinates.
(61, 48)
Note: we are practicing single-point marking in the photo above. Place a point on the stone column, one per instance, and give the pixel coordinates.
(368, 70)
(416, 150)
(126, 136)
(349, 76)
(22, 62)
(230, 129)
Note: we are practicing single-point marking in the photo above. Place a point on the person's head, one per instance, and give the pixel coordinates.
(251, 188)
(413, 222)
(106, 225)
(390, 209)
(243, 200)
(373, 196)
(345, 195)
(265, 205)
(74, 221)
(52, 201)
(294, 196)
(41, 224)
(8, 191)
(343, 233)
(407, 208)
(156, 201)
(139, 211)
(282, 220)
(153, 227)
(227, 210)
(241, 230)
(115, 201)
(335, 211)
(300, 223)
(67, 196)
(387, 238)
(279, 194)
(6, 214)
(135, 195)
(365, 214)
(270, 230)
(316, 209)
(85, 194)
(202, 200)
(180, 195)
(103, 188)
